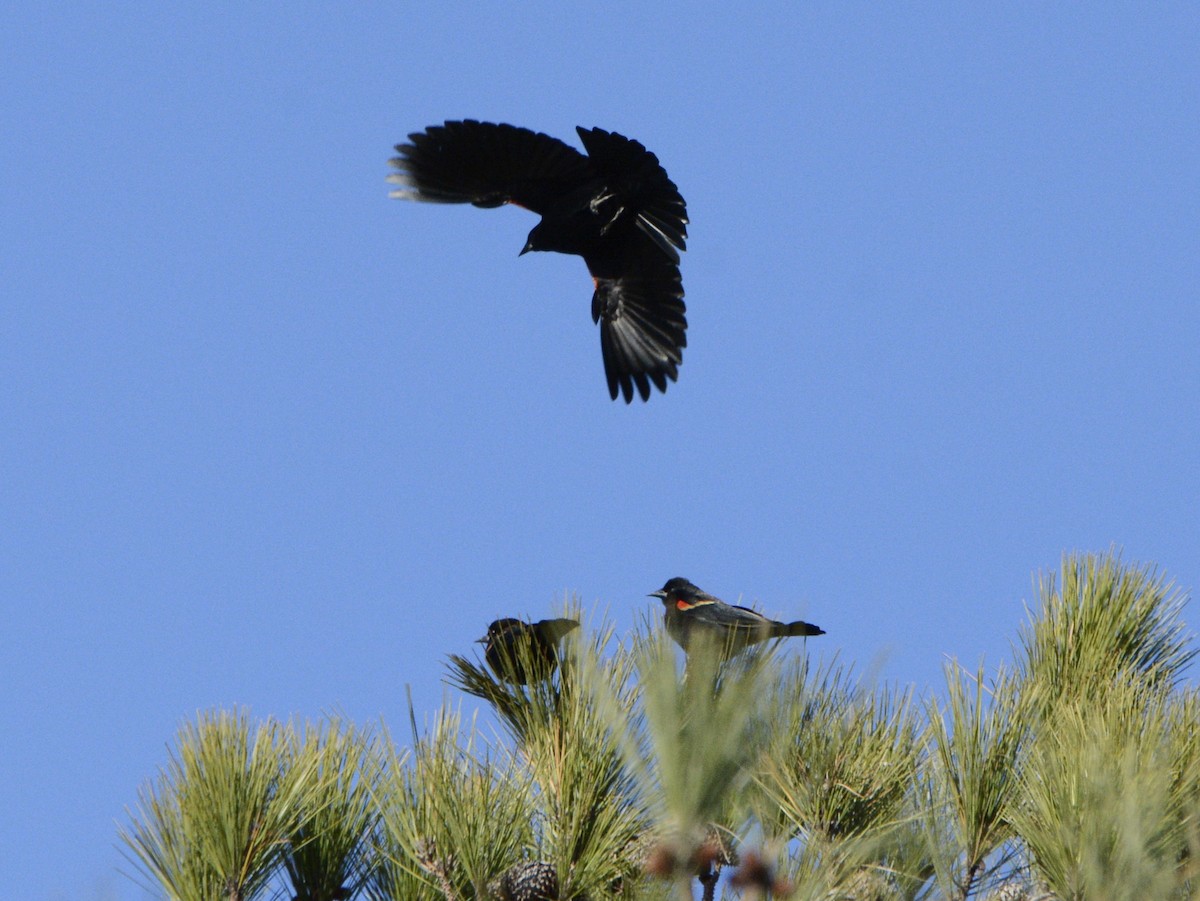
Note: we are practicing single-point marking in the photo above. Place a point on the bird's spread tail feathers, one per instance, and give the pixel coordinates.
(636, 172)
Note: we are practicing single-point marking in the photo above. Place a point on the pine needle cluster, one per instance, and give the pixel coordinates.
(631, 773)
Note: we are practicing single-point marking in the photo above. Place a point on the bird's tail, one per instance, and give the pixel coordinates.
(554, 629)
(800, 627)
(661, 212)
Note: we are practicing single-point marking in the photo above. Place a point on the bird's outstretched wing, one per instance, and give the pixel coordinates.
(638, 303)
(639, 186)
(486, 164)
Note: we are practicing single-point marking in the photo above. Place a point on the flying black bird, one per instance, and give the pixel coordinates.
(690, 612)
(615, 207)
(520, 652)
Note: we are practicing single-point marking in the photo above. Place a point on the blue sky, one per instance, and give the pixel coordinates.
(271, 439)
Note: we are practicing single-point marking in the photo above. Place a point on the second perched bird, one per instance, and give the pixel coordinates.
(520, 652)
(692, 614)
(615, 207)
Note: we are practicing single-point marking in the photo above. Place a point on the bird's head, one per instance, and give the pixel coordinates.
(553, 236)
(498, 628)
(676, 590)
(538, 240)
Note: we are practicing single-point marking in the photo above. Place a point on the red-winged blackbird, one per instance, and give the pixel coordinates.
(615, 207)
(691, 612)
(520, 652)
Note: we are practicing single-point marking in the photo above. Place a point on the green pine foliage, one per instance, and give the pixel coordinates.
(630, 774)
(331, 852)
(458, 811)
(975, 741)
(1102, 623)
(1098, 809)
(589, 813)
(218, 819)
(837, 778)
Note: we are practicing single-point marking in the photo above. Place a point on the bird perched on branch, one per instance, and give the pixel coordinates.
(520, 652)
(615, 207)
(694, 615)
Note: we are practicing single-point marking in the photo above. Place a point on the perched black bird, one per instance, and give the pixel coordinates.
(691, 612)
(520, 652)
(615, 207)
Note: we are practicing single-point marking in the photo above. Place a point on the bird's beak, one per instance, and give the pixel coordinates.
(660, 594)
(524, 250)
(481, 640)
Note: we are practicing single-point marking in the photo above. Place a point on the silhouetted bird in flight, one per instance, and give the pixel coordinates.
(692, 614)
(520, 652)
(615, 207)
